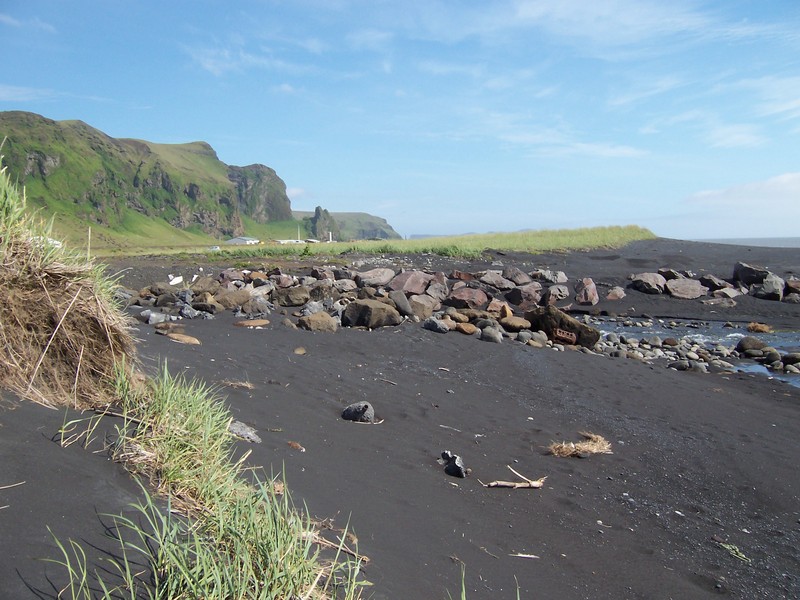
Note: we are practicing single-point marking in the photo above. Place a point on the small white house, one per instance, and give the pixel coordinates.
(243, 241)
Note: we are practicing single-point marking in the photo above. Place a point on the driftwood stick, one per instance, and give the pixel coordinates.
(525, 484)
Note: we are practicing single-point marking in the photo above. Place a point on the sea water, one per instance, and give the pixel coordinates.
(781, 242)
(711, 333)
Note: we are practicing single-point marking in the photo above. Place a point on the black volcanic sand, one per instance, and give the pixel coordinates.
(699, 459)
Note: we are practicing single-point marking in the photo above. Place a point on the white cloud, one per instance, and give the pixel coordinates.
(437, 67)
(735, 136)
(219, 61)
(778, 96)
(644, 92)
(295, 193)
(9, 20)
(370, 39)
(777, 195)
(284, 88)
(13, 93)
(34, 23)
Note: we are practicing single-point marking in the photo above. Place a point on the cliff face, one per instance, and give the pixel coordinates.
(72, 169)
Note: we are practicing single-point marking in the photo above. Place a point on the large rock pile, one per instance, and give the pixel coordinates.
(492, 305)
(756, 281)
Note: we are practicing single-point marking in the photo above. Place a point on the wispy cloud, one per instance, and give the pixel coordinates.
(735, 136)
(9, 20)
(437, 67)
(34, 23)
(13, 93)
(220, 61)
(645, 91)
(777, 96)
(376, 40)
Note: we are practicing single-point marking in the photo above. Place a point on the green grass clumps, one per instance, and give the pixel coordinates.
(219, 537)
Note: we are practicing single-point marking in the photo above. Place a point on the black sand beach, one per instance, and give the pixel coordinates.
(703, 465)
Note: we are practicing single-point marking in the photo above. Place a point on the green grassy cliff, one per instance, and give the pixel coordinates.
(134, 192)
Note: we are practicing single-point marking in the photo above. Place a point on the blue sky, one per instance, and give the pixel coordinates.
(449, 117)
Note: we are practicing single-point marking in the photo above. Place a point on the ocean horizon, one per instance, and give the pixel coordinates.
(776, 242)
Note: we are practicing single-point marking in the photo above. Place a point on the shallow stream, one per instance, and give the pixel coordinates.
(709, 334)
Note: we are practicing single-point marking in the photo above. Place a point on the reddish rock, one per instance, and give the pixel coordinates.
(530, 293)
(586, 292)
(496, 280)
(410, 282)
(461, 275)
(615, 293)
(467, 297)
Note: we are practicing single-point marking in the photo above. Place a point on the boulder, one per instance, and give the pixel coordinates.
(670, 274)
(436, 325)
(549, 276)
(410, 282)
(771, 288)
(345, 285)
(205, 284)
(230, 275)
(437, 290)
(555, 293)
(467, 297)
(686, 289)
(423, 305)
(401, 303)
(321, 273)
(586, 292)
(496, 280)
(749, 342)
(726, 292)
(375, 277)
(615, 293)
(530, 293)
(749, 274)
(466, 328)
(491, 334)
(793, 285)
(713, 283)
(292, 296)
(360, 412)
(515, 323)
(370, 314)
(517, 275)
(319, 321)
(232, 298)
(552, 320)
(649, 283)
(281, 280)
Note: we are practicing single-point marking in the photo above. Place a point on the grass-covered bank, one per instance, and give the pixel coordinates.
(462, 246)
(65, 342)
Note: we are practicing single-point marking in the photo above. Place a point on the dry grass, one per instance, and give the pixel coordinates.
(756, 327)
(592, 444)
(60, 332)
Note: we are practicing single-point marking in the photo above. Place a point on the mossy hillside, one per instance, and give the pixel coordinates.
(84, 178)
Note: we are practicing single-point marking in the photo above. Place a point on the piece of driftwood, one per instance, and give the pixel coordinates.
(524, 484)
